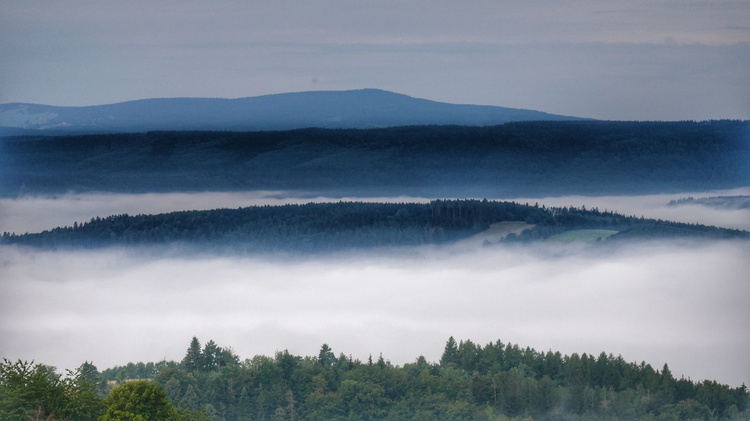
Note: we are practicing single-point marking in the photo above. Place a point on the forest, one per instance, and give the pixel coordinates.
(513, 159)
(496, 381)
(720, 202)
(324, 227)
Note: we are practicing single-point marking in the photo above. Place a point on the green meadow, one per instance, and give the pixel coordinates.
(582, 235)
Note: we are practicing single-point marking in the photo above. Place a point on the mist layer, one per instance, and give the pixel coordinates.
(683, 304)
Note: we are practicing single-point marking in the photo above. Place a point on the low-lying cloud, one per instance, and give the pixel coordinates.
(37, 213)
(683, 304)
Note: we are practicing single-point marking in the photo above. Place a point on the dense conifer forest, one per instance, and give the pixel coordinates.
(496, 381)
(523, 158)
(321, 227)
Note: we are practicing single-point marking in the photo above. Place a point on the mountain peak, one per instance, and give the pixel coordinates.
(361, 108)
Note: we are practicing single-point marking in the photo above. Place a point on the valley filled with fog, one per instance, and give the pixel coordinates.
(682, 303)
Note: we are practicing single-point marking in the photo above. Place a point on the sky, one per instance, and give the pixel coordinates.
(621, 60)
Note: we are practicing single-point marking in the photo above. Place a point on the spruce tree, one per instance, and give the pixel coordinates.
(194, 357)
(450, 354)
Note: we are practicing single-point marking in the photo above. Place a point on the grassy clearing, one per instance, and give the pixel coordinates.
(496, 232)
(582, 235)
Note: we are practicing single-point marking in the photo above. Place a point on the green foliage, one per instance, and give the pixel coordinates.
(583, 235)
(135, 371)
(194, 359)
(27, 388)
(450, 354)
(212, 357)
(85, 392)
(496, 381)
(138, 401)
(36, 391)
(31, 391)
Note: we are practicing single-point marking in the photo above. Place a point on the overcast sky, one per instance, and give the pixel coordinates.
(636, 59)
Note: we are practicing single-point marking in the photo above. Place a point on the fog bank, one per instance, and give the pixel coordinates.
(38, 213)
(686, 305)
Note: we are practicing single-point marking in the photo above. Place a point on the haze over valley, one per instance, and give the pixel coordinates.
(395, 210)
(386, 301)
(604, 239)
(623, 238)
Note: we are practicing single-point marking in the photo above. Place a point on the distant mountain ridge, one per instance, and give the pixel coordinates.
(365, 108)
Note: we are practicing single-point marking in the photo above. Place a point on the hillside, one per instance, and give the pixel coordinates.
(521, 159)
(366, 108)
(330, 227)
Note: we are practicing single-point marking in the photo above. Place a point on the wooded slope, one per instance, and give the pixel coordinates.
(325, 227)
(529, 158)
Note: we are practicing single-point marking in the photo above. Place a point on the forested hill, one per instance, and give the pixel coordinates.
(514, 159)
(496, 381)
(323, 227)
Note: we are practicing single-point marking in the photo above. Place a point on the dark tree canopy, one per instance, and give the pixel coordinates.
(194, 358)
(327, 227)
(539, 158)
(472, 381)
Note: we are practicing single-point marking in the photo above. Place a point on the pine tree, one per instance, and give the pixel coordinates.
(194, 357)
(326, 357)
(450, 354)
(211, 354)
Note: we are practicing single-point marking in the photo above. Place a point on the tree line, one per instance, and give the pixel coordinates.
(325, 227)
(497, 381)
(514, 159)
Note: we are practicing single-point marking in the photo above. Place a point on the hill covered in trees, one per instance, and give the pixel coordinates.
(719, 202)
(496, 381)
(323, 227)
(514, 159)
